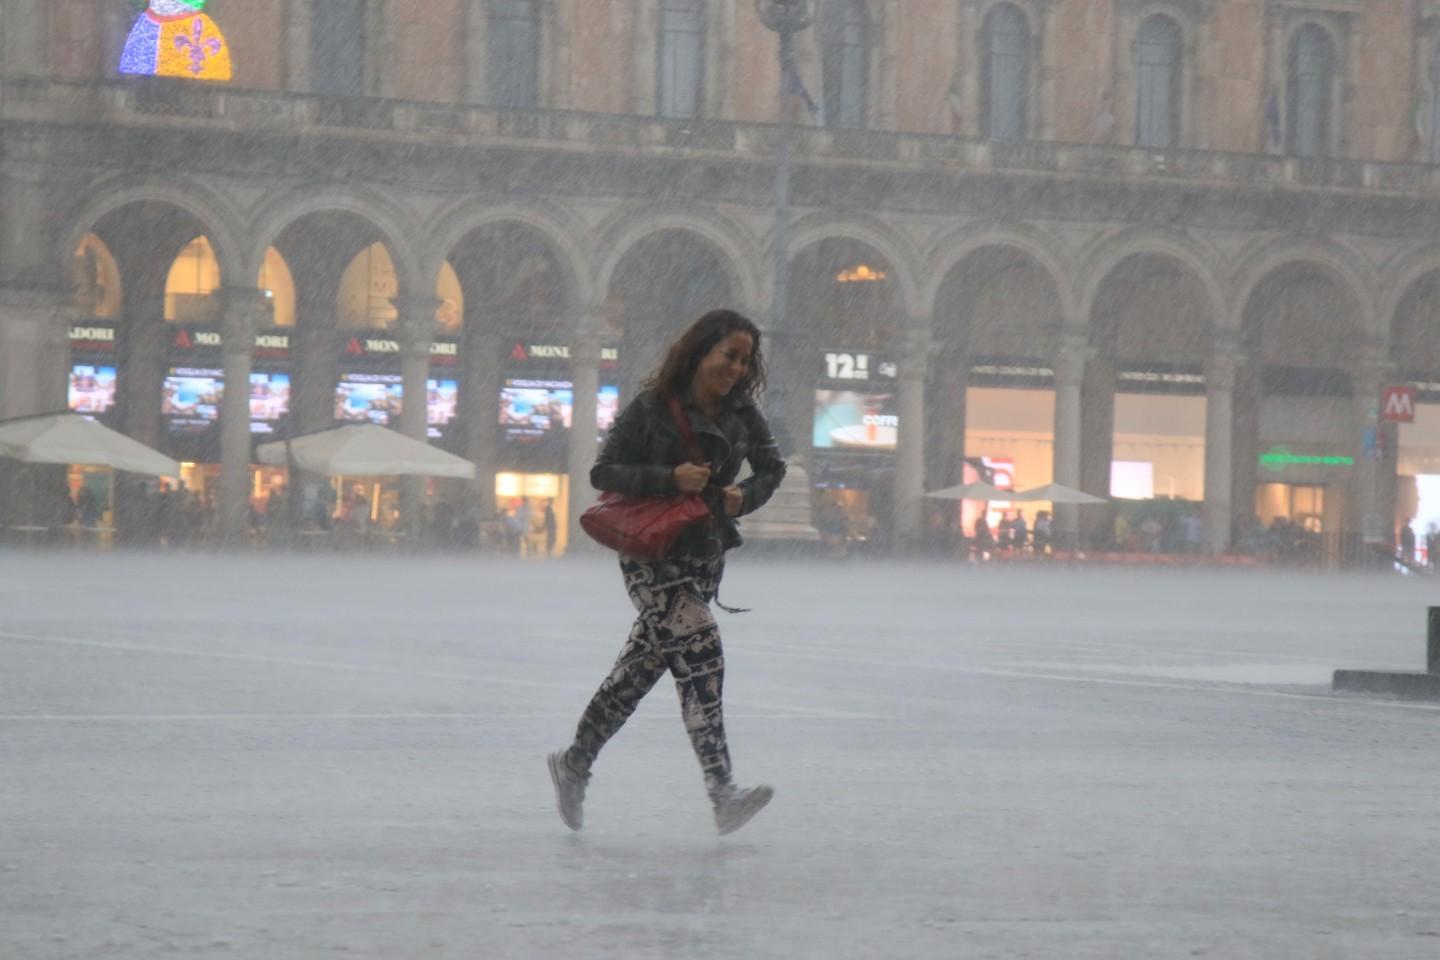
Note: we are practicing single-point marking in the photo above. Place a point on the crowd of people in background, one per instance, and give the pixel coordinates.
(170, 515)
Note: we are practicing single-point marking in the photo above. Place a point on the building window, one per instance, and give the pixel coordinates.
(513, 61)
(1157, 83)
(844, 62)
(682, 57)
(337, 47)
(1435, 109)
(1005, 73)
(1308, 92)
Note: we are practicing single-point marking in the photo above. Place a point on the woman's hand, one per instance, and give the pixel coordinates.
(691, 478)
(734, 500)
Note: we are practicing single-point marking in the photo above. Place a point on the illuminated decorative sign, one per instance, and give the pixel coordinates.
(861, 274)
(368, 346)
(550, 351)
(175, 38)
(104, 337)
(1278, 458)
(850, 365)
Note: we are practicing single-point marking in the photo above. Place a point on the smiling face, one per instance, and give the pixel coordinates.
(723, 367)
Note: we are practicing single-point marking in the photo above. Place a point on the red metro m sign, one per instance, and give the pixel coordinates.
(1397, 405)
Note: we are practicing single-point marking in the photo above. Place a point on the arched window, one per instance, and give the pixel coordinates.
(844, 55)
(337, 47)
(513, 57)
(1005, 73)
(682, 57)
(1308, 92)
(1157, 83)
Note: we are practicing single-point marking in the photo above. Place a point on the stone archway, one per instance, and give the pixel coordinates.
(1151, 331)
(1305, 391)
(998, 313)
(522, 297)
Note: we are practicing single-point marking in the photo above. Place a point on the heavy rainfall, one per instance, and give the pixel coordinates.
(1054, 383)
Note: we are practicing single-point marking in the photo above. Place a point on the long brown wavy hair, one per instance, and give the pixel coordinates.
(685, 354)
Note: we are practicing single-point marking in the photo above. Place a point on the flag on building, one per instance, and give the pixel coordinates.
(955, 100)
(1272, 119)
(1415, 134)
(1105, 116)
(795, 90)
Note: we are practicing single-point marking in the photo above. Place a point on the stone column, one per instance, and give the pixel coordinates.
(477, 44)
(480, 408)
(910, 450)
(1069, 378)
(242, 312)
(26, 35)
(34, 351)
(949, 377)
(316, 366)
(416, 331)
(1368, 499)
(1097, 441)
(644, 37)
(585, 372)
(1220, 375)
(297, 45)
(142, 372)
(379, 49)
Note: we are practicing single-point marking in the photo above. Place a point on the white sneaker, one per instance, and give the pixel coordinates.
(734, 807)
(569, 789)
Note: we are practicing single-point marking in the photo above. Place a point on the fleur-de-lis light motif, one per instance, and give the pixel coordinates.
(199, 45)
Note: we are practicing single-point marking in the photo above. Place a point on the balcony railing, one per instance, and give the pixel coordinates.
(171, 103)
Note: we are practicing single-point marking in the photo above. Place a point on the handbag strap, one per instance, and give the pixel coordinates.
(687, 434)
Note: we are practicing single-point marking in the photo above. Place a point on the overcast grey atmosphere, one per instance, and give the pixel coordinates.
(301, 757)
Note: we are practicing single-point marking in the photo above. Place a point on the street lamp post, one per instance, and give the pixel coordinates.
(786, 18)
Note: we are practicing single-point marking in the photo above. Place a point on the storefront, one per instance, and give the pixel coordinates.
(271, 395)
(537, 404)
(1417, 502)
(854, 434)
(93, 392)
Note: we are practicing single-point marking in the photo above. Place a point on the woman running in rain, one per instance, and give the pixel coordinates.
(716, 370)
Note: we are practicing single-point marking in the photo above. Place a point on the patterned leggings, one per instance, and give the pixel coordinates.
(675, 631)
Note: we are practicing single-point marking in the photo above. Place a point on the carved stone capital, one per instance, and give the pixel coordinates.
(415, 327)
(243, 311)
(1071, 356)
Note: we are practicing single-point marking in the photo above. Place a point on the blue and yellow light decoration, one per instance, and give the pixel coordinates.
(176, 38)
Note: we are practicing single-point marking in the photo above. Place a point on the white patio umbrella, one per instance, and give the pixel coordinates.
(72, 439)
(976, 490)
(365, 450)
(1055, 493)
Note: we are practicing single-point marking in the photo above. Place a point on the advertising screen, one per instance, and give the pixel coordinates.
(378, 397)
(92, 388)
(531, 408)
(190, 401)
(442, 401)
(269, 400)
(609, 406)
(368, 398)
(853, 422)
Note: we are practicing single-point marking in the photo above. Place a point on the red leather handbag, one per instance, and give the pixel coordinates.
(647, 527)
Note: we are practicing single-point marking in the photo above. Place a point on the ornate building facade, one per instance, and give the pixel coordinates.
(1164, 248)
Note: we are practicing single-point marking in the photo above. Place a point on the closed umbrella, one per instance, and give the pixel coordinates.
(1055, 493)
(364, 450)
(69, 438)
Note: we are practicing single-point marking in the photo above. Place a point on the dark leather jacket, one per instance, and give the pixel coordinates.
(644, 447)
